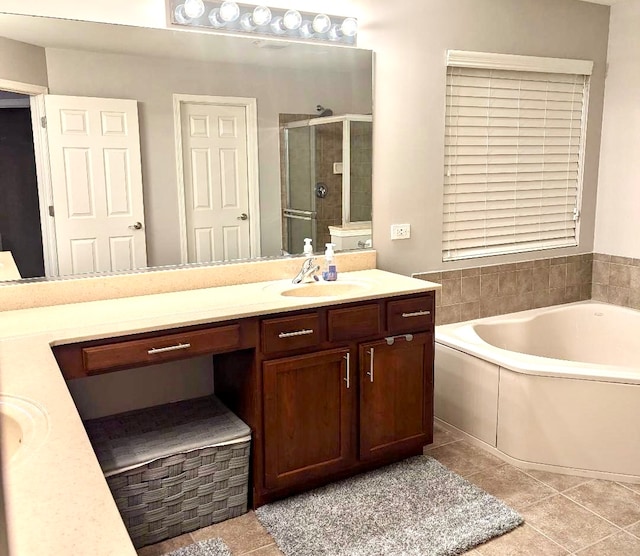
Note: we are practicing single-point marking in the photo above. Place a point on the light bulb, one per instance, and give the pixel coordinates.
(277, 26)
(229, 11)
(194, 8)
(215, 19)
(306, 29)
(180, 15)
(349, 27)
(321, 23)
(292, 20)
(261, 15)
(246, 22)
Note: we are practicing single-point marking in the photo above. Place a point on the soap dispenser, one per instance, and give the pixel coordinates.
(308, 248)
(329, 271)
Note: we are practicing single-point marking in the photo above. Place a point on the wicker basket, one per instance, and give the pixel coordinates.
(174, 468)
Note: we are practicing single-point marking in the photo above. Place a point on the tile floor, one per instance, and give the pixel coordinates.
(563, 514)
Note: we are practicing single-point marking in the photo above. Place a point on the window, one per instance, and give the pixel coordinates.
(514, 149)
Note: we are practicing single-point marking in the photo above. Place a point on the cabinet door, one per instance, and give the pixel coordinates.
(309, 416)
(396, 395)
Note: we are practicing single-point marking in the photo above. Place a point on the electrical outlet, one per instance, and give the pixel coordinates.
(400, 231)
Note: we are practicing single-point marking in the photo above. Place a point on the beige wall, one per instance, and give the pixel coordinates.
(152, 81)
(619, 186)
(22, 62)
(410, 38)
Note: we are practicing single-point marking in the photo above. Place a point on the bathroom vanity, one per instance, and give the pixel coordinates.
(328, 391)
(330, 385)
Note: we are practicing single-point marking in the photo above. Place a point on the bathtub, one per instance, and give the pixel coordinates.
(556, 389)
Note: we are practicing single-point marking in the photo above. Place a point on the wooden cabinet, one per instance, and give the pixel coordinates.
(396, 384)
(308, 414)
(328, 392)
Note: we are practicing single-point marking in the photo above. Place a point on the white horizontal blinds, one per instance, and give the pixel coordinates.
(513, 147)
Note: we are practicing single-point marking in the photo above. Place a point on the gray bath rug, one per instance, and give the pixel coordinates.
(416, 507)
(210, 547)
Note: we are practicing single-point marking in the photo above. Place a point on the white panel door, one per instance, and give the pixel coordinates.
(214, 151)
(96, 180)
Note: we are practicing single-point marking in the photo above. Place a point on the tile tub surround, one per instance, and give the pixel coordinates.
(61, 488)
(616, 280)
(486, 291)
(27, 295)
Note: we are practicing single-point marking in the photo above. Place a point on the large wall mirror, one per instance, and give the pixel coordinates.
(169, 147)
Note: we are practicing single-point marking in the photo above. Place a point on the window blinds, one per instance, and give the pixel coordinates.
(513, 160)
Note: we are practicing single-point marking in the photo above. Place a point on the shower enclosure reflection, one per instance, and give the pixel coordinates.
(326, 180)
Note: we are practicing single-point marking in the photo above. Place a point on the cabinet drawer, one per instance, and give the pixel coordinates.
(408, 315)
(169, 347)
(354, 322)
(287, 333)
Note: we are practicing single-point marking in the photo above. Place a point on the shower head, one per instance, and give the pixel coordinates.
(322, 111)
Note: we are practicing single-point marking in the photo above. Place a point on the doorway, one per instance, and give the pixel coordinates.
(217, 165)
(20, 232)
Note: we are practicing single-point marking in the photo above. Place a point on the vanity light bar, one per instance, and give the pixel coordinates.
(230, 16)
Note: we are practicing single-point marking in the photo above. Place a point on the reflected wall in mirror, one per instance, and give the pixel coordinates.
(198, 168)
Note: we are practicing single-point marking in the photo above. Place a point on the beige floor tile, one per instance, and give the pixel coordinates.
(566, 523)
(609, 500)
(620, 544)
(166, 546)
(634, 529)
(556, 480)
(442, 436)
(512, 486)
(463, 458)
(241, 534)
(632, 486)
(523, 541)
(271, 550)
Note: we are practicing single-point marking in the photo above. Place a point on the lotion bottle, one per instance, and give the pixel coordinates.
(329, 271)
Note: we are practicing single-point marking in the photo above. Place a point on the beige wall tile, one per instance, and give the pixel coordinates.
(524, 281)
(618, 296)
(446, 314)
(471, 272)
(634, 299)
(470, 311)
(573, 273)
(600, 272)
(601, 257)
(451, 291)
(619, 275)
(621, 260)
(507, 283)
(489, 284)
(470, 288)
(540, 278)
(600, 292)
(634, 277)
(541, 298)
(557, 276)
(571, 294)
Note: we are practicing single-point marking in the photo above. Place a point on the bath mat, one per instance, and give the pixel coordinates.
(210, 547)
(416, 507)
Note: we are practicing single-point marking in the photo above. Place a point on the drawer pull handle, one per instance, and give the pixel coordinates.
(391, 339)
(303, 332)
(416, 314)
(348, 358)
(370, 373)
(153, 351)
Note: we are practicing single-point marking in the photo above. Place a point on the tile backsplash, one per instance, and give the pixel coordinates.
(616, 280)
(485, 291)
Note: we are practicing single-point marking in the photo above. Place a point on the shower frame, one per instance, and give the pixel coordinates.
(346, 120)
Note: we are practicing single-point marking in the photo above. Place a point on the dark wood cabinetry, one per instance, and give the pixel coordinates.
(308, 416)
(396, 382)
(328, 392)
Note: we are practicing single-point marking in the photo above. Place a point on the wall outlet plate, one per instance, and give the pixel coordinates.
(400, 231)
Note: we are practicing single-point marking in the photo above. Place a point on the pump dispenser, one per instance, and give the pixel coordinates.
(308, 249)
(329, 271)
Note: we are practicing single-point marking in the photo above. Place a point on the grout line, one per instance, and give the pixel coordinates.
(547, 537)
(593, 512)
(256, 549)
(586, 480)
(595, 543)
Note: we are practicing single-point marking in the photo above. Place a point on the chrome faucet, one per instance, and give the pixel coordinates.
(307, 272)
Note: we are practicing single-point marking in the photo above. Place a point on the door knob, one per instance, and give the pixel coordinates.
(136, 226)
(243, 216)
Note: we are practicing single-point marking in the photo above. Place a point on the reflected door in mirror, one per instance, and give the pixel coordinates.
(216, 181)
(96, 181)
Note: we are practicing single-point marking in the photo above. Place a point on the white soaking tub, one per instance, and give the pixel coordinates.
(556, 388)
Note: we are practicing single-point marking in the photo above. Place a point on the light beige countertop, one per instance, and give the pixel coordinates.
(57, 499)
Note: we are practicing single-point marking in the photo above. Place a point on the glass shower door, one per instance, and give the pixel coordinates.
(299, 212)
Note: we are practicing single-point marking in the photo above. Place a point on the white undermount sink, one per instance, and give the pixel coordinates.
(23, 427)
(339, 288)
